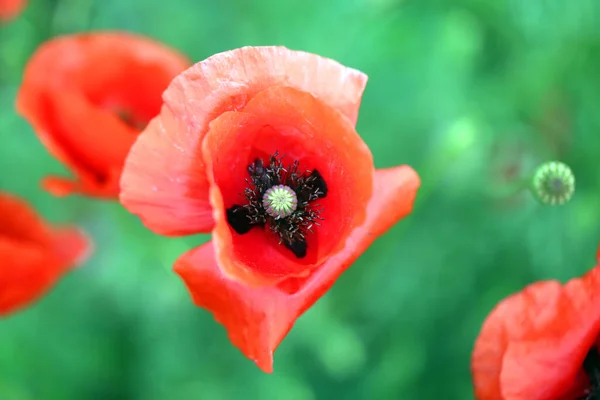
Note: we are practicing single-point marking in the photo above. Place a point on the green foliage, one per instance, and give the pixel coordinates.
(466, 91)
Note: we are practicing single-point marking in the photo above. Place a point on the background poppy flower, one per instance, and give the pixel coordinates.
(34, 256)
(542, 343)
(87, 96)
(9, 9)
(258, 145)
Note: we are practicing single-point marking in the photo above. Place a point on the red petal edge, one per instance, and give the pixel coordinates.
(258, 319)
(532, 345)
(164, 180)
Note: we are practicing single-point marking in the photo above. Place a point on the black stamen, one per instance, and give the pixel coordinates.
(591, 365)
(319, 183)
(311, 187)
(308, 186)
(260, 176)
(237, 216)
(298, 247)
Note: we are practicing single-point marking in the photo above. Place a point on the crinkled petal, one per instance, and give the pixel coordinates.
(169, 199)
(532, 345)
(257, 319)
(223, 82)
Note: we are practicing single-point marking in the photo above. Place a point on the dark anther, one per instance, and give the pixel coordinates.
(291, 222)
(311, 187)
(237, 216)
(297, 247)
(260, 176)
(319, 183)
(256, 168)
(591, 365)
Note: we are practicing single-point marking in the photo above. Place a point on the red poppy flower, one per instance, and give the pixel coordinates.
(34, 255)
(88, 96)
(9, 9)
(542, 343)
(258, 145)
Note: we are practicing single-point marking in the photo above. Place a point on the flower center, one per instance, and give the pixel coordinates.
(591, 365)
(281, 199)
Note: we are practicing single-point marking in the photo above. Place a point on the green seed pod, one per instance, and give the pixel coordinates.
(553, 183)
(280, 201)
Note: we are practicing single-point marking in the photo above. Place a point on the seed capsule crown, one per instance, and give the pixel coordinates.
(280, 201)
(554, 183)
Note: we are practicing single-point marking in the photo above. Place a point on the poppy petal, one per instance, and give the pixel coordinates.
(532, 345)
(90, 140)
(77, 103)
(72, 245)
(223, 82)
(257, 319)
(9, 9)
(168, 201)
(61, 187)
(20, 222)
(297, 124)
(27, 270)
(34, 256)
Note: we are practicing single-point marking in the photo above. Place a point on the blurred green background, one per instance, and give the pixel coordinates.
(472, 93)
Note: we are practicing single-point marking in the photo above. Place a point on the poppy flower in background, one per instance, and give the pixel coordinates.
(9, 9)
(258, 146)
(34, 255)
(88, 96)
(542, 343)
